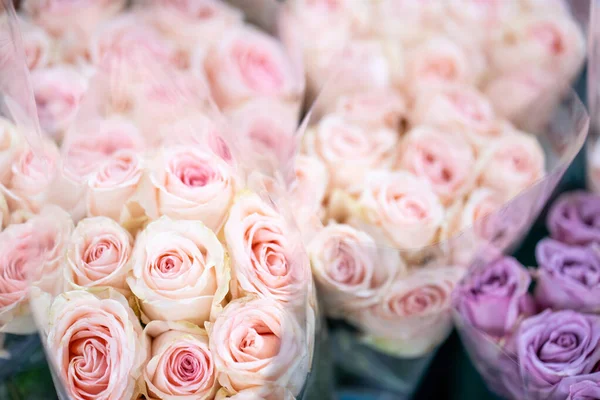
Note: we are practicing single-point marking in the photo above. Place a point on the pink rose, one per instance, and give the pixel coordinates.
(246, 64)
(350, 151)
(98, 255)
(351, 272)
(374, 109)
(12, 143)
(457, 108)
(113, 184)
(265, 129)
(266, 253)
(187, 182)
(37, 45)
(60, 16)
(181, 365)
(58, 93)
(179, 272)
(415, 314)
(402, 207)
(258, 342)
(512, 164)
(95, 342)
(443, 159)
(546, 40)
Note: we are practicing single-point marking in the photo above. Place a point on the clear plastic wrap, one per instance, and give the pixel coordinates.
(593, 147)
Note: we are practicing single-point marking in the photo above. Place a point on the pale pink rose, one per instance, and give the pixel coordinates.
(58, 92)
(257, 393)
(266, 253)
(246, 64)
(512, 164)
(188, 182)
(457, 108)
(113, 184)
(351, 272)
(37, 45)
(95, 343)
(4, 212)
(443, 159)
(415, 314)
(374, 108)
(193, 23)
(98, 255)
(266, 131)
(179, 272)
(360, 65)
(349, 150)
(60, 16)
(439, 60)
(32, 174)
(403, 207)
(546, 40)
(256, 343)
(94, 142)
(181, 365)
(12, 144)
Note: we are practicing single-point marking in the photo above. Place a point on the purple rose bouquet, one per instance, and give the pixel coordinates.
(534, 333)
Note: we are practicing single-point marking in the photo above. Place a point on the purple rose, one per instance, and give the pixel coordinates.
(584, 390)
(575, 218)
(493, 297)
(568, 276)
(554, 349)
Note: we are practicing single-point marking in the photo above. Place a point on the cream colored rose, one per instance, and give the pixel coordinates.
(12, 144)
(512, 164)
(95, 344)
(401, 207)
(257, 343)
(267, 255)
(350, 151)
(113, 184)
(414, 316)
(351, 271)
(179, 272)
(189, 182)
(98, 255)
(374, 109)
(181, 365)
(443, 159)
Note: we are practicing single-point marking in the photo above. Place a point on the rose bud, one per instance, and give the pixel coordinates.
(257, 343)
(37, 44)
(584, 390)
(550, 41)
(402, 207)
(352, 273)
(444, 160)
(179, 272)
(574, 218)
(457, 108)
(414, 315)
(554, 348)
(12, 143)
(568, 276)
(95, 343)
(189, 182)
(511, 164)
(246, 64)
(98, 255)
(374, 109)
(113, 184)
(265, 252)
(181, 365)
(58, 92)
(494, 297)
(350, 151)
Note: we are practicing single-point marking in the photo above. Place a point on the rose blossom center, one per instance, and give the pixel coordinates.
(468, 107)
(193, 173)
(258, 69)
(257, 342)
(417, 302)
(101, 252)
(169, 264)
(560, 347)
(583, 272)
(435, 167)
(50, 106)
(344, 268)
(549, 37)
(408, 207)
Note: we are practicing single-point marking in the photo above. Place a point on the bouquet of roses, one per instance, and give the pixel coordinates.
(545, 342)
(413, 159)
(149, 226)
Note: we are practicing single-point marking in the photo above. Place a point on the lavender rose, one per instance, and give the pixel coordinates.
(554, 349)
(492, 298)
(584, 390)
(575, 218)
(568, 276)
